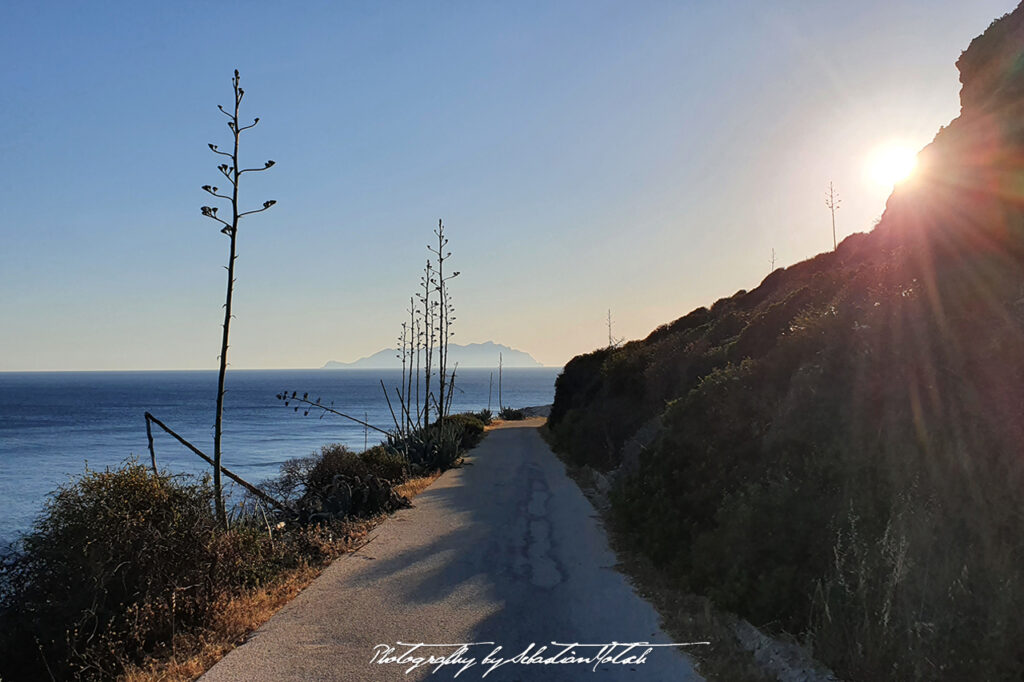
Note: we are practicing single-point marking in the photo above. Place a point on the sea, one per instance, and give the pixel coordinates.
(55, 424)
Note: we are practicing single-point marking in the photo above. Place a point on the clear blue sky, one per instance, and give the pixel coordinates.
(639, 156)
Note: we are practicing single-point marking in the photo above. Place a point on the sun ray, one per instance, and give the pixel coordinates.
(891, 163)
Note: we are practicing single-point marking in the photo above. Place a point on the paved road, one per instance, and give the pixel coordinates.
(504, 550)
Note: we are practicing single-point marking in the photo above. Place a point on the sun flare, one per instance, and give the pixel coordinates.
(891, 163)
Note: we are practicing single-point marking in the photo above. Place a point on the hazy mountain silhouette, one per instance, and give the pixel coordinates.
(467, 356)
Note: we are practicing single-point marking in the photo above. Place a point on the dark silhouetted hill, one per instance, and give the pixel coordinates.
(840, 452)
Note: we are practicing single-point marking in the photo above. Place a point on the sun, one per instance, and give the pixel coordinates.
(891, 163)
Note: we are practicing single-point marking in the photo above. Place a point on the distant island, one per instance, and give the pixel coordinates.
(468, 356)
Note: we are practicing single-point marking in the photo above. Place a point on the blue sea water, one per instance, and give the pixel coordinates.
(53, 423)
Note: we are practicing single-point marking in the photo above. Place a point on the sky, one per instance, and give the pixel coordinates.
(643, 157)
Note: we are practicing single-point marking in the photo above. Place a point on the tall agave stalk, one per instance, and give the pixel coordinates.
(445, 318)
(427, 283)
(233, 173)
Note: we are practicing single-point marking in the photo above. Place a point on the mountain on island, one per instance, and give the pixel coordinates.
(468, 356)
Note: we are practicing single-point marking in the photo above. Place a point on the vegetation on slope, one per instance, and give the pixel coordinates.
(838, 451)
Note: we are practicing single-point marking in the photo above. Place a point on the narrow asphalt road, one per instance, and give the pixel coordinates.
(506, 550)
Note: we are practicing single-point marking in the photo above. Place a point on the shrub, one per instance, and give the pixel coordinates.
(440, 445)
(116, 562)
(334, 460)
(342, 484)
(434, 448)
(386, 464)
(484, 416)
(471, 427)
(511, 414)
(624, 371)
(124, 562)
(578, 384)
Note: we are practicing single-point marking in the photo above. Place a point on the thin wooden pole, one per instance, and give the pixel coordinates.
(451, 389)
(233, 476)
(403, 410)
(393, 417)
(149, 437)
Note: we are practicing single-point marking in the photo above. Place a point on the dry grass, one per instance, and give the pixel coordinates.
(414, 486)
(238, 616)
(687, 618)
(195, 654)
(526, 422)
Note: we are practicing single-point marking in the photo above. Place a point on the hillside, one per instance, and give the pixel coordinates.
(838, 452)
(480, 355)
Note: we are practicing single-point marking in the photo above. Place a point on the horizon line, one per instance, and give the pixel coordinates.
(245, 369)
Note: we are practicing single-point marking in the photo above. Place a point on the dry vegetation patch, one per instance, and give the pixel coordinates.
(238, 616)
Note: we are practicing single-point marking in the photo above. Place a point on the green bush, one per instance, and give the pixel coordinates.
(386, 464)
(340, 484)
(117, 561)
(335, 460)
(439, 446)
(578, 384)
(470, 426)
(511, 414)
(120, 561)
